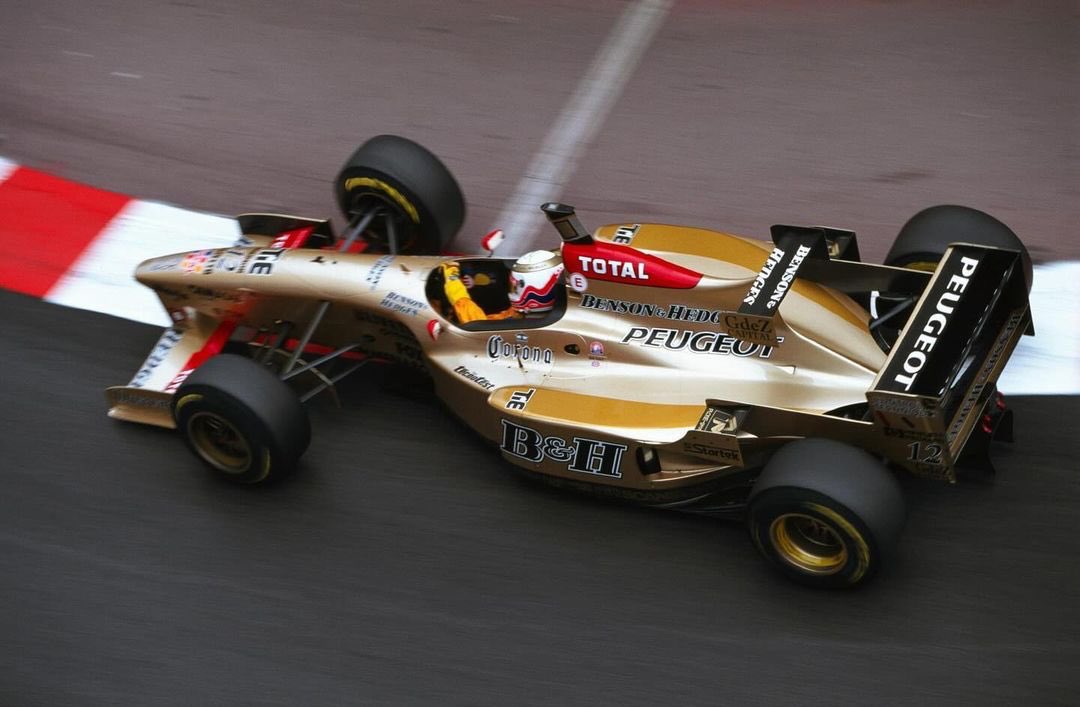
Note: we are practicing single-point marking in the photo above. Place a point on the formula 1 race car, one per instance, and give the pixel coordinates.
(676, 367)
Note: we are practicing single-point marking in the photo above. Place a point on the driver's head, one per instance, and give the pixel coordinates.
(534, 281)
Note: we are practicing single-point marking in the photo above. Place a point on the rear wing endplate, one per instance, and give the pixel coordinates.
(943, 367)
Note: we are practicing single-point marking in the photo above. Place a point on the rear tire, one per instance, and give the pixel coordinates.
(411, 186)
(923, 241)
(826, 514)
(925, 237)
(241, 420)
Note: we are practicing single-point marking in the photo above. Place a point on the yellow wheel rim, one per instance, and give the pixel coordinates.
(808, 543)
(219, 442)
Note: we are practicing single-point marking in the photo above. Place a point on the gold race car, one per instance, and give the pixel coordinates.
(783, 382)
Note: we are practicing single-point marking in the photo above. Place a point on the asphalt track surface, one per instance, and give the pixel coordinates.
(407, 563)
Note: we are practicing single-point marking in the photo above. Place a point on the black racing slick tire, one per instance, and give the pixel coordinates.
(921, 244)
(826, 514)
(241, 420)
(410, 185)
(925, 237)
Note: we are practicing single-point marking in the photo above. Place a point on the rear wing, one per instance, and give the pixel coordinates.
(942, 370)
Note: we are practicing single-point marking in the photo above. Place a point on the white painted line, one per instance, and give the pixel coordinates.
(1049, 362)
(6, 168)
(125, 75)
(556, 160)
(101, 279)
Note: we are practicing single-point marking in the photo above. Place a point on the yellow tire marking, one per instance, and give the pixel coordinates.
(924, 265)
(390, 191)
(265, 468)
(189, 398)
(861, 546)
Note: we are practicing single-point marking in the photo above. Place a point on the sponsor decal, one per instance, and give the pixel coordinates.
(751, 328)
(677, 312)
(323, 261)
(758, 284)
(578, 282)
(596, 353)
(378, 269)
(616, 268)
(474, 377)
(979, 384)
(625, 234)
(710, 342)
(413, 355)
(716, 421)
(900, 433)
(196, 263)
(170, 292)
(140, 399)
(778, 272)
(166, 263)
(231, 260)
(207, 293)
(293, 238)
(519, 399)
(789, 274)
(400, 303)
(935, 324)
(387, 327)
(178, 379)
(262, 261)
(244, 242)
(612, 262)
(906, 407)
(498, 347)
(581, 454)
(727, 455)
(786, 276)
(158, 354)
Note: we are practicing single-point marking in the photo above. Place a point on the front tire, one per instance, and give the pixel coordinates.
(414, 192)
(825, 514)
(241, 420)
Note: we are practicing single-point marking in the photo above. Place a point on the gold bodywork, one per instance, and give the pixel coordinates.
(640, 388)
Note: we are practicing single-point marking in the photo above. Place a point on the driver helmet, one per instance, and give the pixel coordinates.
(533, 281)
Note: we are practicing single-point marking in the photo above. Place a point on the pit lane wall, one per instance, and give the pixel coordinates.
(75, 245)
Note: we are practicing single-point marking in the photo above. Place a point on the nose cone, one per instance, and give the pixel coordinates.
(165, 269)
